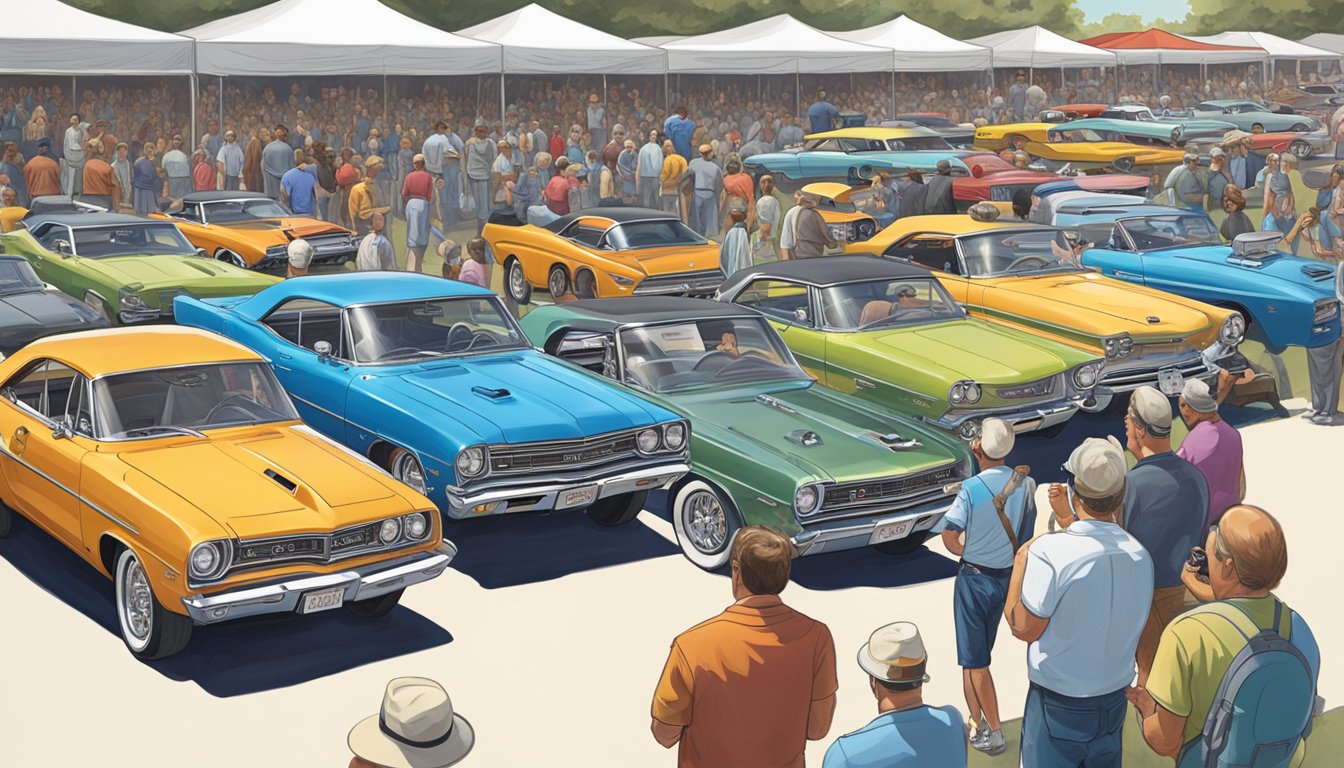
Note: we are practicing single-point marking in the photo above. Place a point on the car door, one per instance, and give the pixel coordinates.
(46, 428)
(938, 254)
(49, 261)
(318, 381)
(1113, 255)
(789, 308)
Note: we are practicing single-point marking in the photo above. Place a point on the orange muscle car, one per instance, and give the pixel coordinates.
(250, 230)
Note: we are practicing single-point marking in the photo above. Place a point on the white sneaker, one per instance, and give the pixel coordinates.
(992, 743)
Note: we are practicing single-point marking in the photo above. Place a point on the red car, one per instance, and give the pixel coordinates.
(996, 180)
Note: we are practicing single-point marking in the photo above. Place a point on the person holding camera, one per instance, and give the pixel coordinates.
(1079, 598)
(1234, 680)
(1166, 504)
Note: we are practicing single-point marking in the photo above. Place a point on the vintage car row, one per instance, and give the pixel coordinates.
(172, 461)
(769, 446)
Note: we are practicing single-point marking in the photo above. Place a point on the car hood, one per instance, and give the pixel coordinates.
(1282, 269)
(226, 478)
(199, 277)
(970, 349)
(38, 313)
(849, 447)
(1116, 149)
(1102, 306)
(273, 231)
(517, 398)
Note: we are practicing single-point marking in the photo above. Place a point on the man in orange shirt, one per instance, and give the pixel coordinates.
(752, 685)
(100, 182)
(42, 172)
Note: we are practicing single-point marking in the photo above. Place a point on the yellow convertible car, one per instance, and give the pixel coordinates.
(252, 231)
(171, 461)
(1091, 149)
(605, 252)
(1010, 135)
(1025, 275)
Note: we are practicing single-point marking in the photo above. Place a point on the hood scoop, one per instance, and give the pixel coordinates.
(492, 393)
(282, 481)
(895, 442)
(1317, 271)
(804, 437)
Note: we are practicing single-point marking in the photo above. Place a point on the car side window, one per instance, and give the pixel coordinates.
(304, 322)
(936, 253)
(46, 388)
(587, 349)
(778, 299)
(588, 236)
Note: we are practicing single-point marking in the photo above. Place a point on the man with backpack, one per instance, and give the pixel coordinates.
(1234, 680)
(994, 513)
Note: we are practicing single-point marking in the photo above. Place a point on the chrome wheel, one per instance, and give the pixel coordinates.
(229, 257)
(136, 603)
(705, 523)
(406, 468)
(519, 290)
(557, 282)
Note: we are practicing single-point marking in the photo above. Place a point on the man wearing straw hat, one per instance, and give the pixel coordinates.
(907, 733)
(752, 685)
(364, 200)
(416, 727)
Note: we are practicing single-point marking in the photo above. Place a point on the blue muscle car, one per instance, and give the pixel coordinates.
(1248, 115)
(1286, 300)
(434, 381)
(852, 154)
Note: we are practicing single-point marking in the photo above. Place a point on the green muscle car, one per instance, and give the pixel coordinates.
(768, 446)
(125, 268)
(890, 333)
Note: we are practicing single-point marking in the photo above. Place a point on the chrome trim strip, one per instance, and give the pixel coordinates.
(122, 523)
(462, 500)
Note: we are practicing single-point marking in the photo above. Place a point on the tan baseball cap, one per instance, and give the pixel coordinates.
(1098, 467)
(996, 438)
(1153, 408)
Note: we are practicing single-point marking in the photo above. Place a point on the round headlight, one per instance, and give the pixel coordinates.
(1125, 346)
(956, 394)
(1112, 347)
(1085, 376)
(647, 441)
(969, 429)
(674, 437)
(972, 392)
(1233, 330)
(205, 560)
(805, 499)
(417, 525)
(389, 530)
(471, 461)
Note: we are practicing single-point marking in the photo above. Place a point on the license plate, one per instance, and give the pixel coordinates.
(577, 497)
(323, 600)
(891, 531)
(1170, 381)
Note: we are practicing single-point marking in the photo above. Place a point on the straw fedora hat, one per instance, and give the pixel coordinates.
(895, 654)
(415, 728)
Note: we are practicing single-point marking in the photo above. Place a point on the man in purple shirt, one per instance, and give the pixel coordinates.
(1213, 445)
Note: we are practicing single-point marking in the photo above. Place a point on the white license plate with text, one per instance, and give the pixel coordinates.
(1170, 381)
(885, 532)
(323, 600)
(577, 497)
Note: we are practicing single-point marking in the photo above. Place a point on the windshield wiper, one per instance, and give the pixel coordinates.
(165, 428)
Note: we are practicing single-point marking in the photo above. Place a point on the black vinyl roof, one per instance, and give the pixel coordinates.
(77, 220)
(654, 309)
(828, 270)
(211, 196)
(618, 214)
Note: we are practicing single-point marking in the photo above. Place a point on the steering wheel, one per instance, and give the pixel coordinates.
(714, 355)
(747, 360)
(233, 403)
(458, 335)
(398, 352)
(1044, 262)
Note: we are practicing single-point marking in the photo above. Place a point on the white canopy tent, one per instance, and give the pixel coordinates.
(1326, 41)
(1039, 48)
(42, 37)
(656, 40)
(537, 41)
(919, 48)
(779, 45)
(335, 37)
(1277, 48)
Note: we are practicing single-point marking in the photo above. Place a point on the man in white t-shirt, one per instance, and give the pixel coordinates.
(787, 234)
(1079, 598)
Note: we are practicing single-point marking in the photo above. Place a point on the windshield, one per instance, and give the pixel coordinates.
(886, 303)
(912, 143)
(192, 397)
(1076, 135)
(1015, 252)
(16, 276)
(227, 211)
(679, 356)
(127, 240)
(1152, 233)
(652, 234)
(420, 330)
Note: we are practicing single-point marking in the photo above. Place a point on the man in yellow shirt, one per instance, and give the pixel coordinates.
(1247, 556)
(364, 197)
(669, 181)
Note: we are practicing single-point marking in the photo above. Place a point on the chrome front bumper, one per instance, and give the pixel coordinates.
(466, 503)
(854, 534)
(362, 583)
(1028, 419)
(1129, 375)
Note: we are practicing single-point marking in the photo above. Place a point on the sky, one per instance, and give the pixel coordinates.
(1096, 10)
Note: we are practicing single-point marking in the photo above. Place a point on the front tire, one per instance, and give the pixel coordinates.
(585, 285)
(404, 466)
(1300, 148)
(149, 630)
(557, 281)
(374, 607)
(617, 510)
(705, 523)
(515, 282)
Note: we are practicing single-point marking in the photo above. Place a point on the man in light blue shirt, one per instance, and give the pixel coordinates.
(680, 129)
(986, 541)
(229, 161)
(298, 187)
(650, 167)
(906, 733)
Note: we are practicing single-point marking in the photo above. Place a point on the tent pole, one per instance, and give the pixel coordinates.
(502, 107)
(221, 106)
(667, 95)
(797, 91)
(384, 92)
(606, 119)
(191, 81)
(893, 92)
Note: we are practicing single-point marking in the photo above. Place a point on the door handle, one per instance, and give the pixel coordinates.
(20, 439)
(1122, 273)
(864, 384)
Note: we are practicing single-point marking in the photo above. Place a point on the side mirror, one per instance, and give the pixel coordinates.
(202, 253)
(62, 247)
(608, 358)
(62, 431)
(323, 350)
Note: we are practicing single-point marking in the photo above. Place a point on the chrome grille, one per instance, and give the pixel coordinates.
(1040, 388)
(1146, 372)
(700, 282)
(521, 458)
(887, 493)
(315, 548)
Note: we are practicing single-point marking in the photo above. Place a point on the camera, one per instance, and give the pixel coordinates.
(1199, 560)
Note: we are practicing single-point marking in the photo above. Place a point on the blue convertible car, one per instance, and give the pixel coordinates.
(1286, 300)
(852, 154)
(434, 381)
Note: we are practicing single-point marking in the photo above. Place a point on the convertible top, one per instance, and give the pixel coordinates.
(617, 214)
(212, 196)
(653, 309)
(80, 220)
(826, 271)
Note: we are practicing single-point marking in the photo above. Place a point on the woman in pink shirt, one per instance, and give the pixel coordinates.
(473, 267)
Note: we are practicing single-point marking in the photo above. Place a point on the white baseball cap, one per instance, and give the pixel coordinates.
(996, 438)
(1098, 467)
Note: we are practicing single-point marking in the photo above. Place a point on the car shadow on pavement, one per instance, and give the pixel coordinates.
(866, 567)
(512, 550)
(233, 658)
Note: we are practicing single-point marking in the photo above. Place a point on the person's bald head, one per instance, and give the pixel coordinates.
(1247, 552)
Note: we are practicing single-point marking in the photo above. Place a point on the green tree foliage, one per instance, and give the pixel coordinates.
(1293, 19)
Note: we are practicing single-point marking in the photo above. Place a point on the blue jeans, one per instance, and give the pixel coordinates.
(978, 596)
(1061, 731)
(705, 213)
